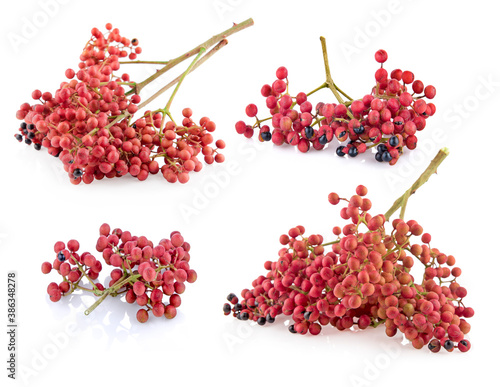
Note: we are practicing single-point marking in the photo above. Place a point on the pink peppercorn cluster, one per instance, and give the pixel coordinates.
(363, 278)
(89, 122)
(151, 276)
(388, 118)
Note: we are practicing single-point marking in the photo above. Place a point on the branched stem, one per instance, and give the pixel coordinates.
(431, 169)
(205, 45)
(190, 67)
(329, 81)
(221, 44)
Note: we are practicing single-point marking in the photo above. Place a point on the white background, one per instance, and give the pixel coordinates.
(240, 208)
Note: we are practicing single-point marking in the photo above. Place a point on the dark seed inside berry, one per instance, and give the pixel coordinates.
(19, 137)
(266, 136)
(386, 156)
(381, 148)
(270, 319)
(394, 141)
(61, 257)
(261, 320)
(291, 329)
(37, 146)
(309, 131)
(226, 308)
(340, 151)
(434, 345)
(353, 151)
(323, 140)
(359, 130)
(77, 173)
(378, 157)
(448, 344)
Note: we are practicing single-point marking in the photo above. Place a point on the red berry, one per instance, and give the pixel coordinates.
(381, 56)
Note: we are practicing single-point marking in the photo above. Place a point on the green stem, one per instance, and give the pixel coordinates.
(317, 89)
(308, 94)
(112, 291)
(329, 81)
(221, 44)
(188, 70)
(164, 62)
(343, 93)
(431, 169)
(330, 243)
(96, 304)
(206, 45)
(80, 267)
(297, 289)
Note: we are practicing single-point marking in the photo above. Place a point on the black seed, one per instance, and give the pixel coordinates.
(434, 345)
(307, 315)
(381, 148)
(37, 146)
(291, 329)
(244, 316)
(464, 343)
(57, 154)
(27, 141)
(340, 151)
(261, 320)
(133, 41)
(378, 157)
(398, 122)
(342, 134)
(386, 156)
(25, 132)
(24, 125)
(323, 140)
(61, 257)
(353, 151)
(394, 141)
(448, 344)
(30, 126)
(226, 308)
(77, 173)
(266, 136)
(359, 130)
(309, 131)
(19, 137)
(31, 135)
(238, 307)
(230, 296)
(270, 319)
